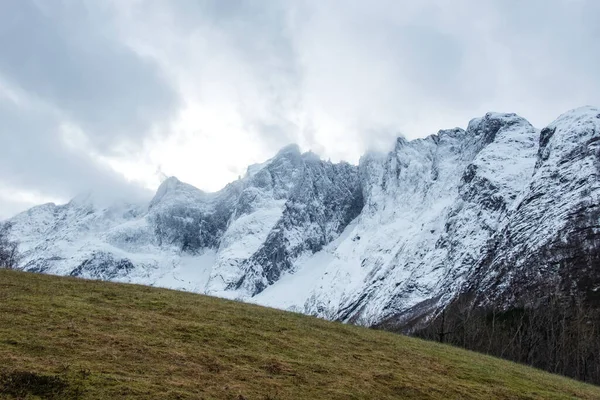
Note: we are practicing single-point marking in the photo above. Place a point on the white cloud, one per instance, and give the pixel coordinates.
(201, 89)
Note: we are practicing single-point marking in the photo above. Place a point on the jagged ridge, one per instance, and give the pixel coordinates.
(500, 209)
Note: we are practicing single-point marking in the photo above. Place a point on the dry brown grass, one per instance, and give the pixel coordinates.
(63, 338)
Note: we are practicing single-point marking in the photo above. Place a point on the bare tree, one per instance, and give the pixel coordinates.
(557, 333)
(9, 249)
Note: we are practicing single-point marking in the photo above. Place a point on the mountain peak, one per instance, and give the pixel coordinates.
(292, 148)
(483, 130)
(291, 151)
(170, 181)
(493, 121)
(577, 115)
(173, 185)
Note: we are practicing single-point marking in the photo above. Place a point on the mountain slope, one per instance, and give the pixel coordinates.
(552, 242)
(431, 205)
(500, 209)
(231, 243)
(68, 338)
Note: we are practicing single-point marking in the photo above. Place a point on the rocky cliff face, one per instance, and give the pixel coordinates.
(431, 207)
(501, 209)
(233, 242)
(551, 244)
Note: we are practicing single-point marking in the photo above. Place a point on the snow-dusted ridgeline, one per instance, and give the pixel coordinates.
(394, 238)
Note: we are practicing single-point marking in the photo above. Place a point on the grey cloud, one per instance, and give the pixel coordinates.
(68, 54)
(554, 48)
(445, 62)
(32, 156)
(70, 66)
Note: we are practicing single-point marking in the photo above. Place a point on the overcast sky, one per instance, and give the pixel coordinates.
(109, 95)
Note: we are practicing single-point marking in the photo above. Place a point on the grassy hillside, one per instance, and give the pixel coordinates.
(63, 338)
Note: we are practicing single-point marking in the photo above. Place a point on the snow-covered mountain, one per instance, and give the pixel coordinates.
(500, 209)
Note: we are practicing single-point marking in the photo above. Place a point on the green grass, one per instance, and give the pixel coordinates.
(64, 338)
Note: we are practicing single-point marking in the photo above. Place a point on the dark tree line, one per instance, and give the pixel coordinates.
(556, 334)
(9, 249)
